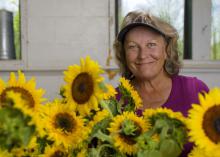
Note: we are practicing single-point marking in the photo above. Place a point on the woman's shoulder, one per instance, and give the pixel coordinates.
(190, 83)
(185, 90)
(184, 78)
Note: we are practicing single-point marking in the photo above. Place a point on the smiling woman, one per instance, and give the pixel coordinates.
(156, 31)
(147, 54)
(196, 40)
(171, 11)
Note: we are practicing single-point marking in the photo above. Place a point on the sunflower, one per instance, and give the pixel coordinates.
(198, 152)
(126, 87)
(62, 125)
(55, 151)
(125, 129)
(31, 96)
(204, 121)
(83, 86)
(148, 113)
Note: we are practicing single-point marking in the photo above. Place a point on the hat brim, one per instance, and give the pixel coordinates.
(126, 29)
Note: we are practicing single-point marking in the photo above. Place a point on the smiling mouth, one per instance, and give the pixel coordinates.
(144, 63)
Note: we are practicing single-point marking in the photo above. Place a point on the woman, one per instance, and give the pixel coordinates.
(147, 54)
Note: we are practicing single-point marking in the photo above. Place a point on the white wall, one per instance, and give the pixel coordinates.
(56, 33)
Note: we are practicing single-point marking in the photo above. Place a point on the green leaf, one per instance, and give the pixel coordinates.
(103, 87)
(165, 132)
(27, 133)
(105, 105)
(102, 125)
(145, 141)
(104, 150)
(149, 153)
(169, 148)
(14, 128)
(160, 123)
(111, 106)
(180, 135)
(93, 152)
(43, 142)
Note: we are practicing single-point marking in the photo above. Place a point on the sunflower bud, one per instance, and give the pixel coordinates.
(129, 128)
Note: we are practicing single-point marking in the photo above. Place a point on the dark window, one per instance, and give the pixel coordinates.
(10, 39)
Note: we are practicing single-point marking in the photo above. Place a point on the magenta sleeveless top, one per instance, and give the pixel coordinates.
(184, 93)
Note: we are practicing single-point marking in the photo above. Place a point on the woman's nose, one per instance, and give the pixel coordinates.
(143, 52)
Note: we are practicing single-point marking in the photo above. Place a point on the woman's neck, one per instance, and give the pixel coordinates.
(154, 92)
(154, 84)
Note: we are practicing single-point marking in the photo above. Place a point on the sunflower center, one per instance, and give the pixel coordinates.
(58, 153)
(27, 96)
(130, 139)
(217, 124)
(211, 123)
(65, 122)
(82, 88)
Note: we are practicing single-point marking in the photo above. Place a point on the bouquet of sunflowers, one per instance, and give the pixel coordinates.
(92, 119)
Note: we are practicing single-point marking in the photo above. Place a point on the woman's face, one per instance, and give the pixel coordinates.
(145, 52)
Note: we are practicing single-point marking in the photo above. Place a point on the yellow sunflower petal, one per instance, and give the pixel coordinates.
(12, 78)
(21, 77)
(175, 115)
(198, 152)
(111, 92)
(204, 121)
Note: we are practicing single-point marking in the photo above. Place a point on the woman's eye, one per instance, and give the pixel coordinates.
(150, 45)
(132, 46)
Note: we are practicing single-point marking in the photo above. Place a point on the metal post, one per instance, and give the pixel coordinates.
(7, 48)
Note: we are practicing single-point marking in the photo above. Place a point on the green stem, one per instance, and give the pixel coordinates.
(105, 106)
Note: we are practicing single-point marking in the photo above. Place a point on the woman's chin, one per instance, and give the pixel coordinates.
(145, 76)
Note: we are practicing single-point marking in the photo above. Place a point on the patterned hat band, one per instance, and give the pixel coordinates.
(138, 21)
